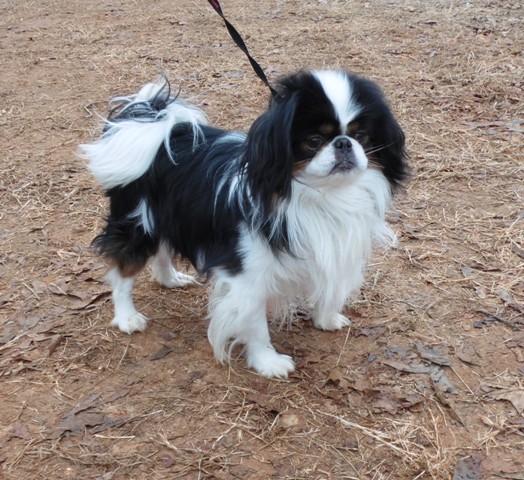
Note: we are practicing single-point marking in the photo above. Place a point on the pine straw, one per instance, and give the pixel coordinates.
(454, 76)
(412, 444)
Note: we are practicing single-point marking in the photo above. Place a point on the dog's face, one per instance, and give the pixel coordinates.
(343, 125)
(326, 127)
(322, 152)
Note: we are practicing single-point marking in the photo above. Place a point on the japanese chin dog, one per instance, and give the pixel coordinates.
(287, 212)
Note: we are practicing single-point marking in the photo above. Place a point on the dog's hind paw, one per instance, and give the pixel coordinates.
(334, 321)
(172, 278)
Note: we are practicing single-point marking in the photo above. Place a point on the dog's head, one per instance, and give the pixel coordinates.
(324, 128)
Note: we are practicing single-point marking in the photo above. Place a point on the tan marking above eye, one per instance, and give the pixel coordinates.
(352, 128)
(327, 129)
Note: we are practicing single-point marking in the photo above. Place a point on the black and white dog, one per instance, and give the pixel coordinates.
(289, 211)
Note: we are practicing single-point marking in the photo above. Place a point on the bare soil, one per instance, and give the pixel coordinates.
(429, 381)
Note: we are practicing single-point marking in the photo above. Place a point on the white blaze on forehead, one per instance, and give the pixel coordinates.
(338, 88)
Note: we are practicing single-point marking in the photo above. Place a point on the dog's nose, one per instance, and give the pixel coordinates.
(343, 143)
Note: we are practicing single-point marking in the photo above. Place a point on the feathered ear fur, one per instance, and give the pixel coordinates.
(393, 157)
(385, 131)
(268, 156)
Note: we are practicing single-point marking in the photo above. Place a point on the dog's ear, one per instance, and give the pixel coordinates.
(393, 157)
(268, 156)
(386, 133)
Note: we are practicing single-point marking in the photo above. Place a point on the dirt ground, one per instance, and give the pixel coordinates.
(429, 381)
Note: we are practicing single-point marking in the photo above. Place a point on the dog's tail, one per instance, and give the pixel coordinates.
(135, 130)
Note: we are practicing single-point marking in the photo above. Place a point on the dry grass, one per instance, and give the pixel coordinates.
(80, 400)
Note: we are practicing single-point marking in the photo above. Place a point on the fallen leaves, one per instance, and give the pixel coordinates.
(36, 332)
(466, 190)
(361, 393)
(515, 397)
(291, 420)
(78, 424)
(468, 468)
(493, 127)
(81, 419)
(164, 350)
(427, 360)
(433, 356)
(53, 343)
(498, 467)
(384, 395)
(394, 402)
(5, 298)
(18, 430)
(36, 339)
(86, 417)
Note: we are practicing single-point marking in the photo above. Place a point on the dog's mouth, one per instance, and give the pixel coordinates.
(344, 164)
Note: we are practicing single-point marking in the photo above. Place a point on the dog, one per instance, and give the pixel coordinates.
(288, 211)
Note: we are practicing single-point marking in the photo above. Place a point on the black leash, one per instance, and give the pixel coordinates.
(240, 43)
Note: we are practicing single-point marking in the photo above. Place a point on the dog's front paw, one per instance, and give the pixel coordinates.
(269, 363)
(129, 323)
(335, 321)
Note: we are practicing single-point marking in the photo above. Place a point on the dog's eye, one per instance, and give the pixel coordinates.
(314, 142)
(361, 136)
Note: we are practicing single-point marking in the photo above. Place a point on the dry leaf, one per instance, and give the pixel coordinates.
(466, 358)
(468, 468)
(53, 344)
(500, 467)
(18, 431)
(336, 378)
(517, 250)
(5, 298)
(39, 287)
(449, 403)
(481, 292)
(78, 420)
(271, 406)
(29, 322)
(504, 295)
(110, 423)
(84, 304)
(408, 368)
(165, 350)
(78, 424)
(516, 397)
(400, 352)
(291, 420)
(373, 332)
(391, 403)
(89, 402)
(467, 272)
(59, 288)
(117, 395)
(438, 375)
(433, 356)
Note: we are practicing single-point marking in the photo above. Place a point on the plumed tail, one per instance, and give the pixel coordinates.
(136, 128)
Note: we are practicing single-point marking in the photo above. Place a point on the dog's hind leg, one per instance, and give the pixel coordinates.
(126, 318)
(163, 271)
(128, 248)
